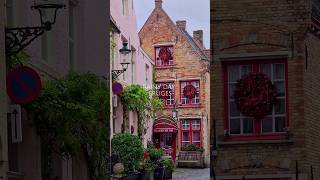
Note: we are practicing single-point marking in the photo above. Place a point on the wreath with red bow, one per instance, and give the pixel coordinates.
(255, 95)
(165, 54)
(189, 91)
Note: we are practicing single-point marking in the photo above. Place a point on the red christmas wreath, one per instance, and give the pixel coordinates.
(189, 91)
(255, 95)
(165, 54)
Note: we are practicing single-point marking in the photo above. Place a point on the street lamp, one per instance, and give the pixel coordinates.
(124, 55)
(20, 37)
(48, 12)
(175, 111)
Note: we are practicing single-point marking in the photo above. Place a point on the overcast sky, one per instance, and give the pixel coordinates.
(195, 12)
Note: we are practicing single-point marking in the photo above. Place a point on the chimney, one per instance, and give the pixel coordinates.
(158, 3)
(181, 24)
(198, 37)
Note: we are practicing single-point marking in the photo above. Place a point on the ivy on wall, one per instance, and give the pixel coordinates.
(72, 117)
(144, 102)
(18, 59)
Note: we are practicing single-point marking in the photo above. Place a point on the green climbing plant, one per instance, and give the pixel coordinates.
(18, 59)
(72, 116)
(144, 102)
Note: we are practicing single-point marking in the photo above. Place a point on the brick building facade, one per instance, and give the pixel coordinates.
(186, 65)
(280, 39)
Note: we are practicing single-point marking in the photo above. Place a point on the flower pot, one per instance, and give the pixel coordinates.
(146, 175)
(168, 174)
(159, 173)
(131, 176)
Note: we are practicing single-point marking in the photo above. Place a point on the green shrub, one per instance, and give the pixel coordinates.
(154, 153)
(168, 164)
(192, 147)
(129, 149)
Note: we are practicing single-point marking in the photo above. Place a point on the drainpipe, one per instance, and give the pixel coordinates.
(213, 147)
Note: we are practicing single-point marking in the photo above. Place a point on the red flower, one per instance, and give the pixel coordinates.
(145, 155)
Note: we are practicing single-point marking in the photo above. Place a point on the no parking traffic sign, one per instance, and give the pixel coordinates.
(23, 85)
(117, 88)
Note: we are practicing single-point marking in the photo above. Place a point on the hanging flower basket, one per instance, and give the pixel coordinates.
(165, 54)
(189, 91)
(255, 95)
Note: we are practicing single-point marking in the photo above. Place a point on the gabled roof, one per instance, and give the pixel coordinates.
(194, 45)
(184, 33)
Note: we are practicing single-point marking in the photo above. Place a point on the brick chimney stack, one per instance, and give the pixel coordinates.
(158, 3)
(198, 37)
(181, 24)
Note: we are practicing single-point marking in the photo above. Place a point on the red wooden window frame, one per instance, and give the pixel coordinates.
(190, 130)
(256, 135)
(163, 65)
(166, 105)
(190, 101)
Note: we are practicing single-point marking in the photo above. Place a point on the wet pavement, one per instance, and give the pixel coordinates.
(191, 174)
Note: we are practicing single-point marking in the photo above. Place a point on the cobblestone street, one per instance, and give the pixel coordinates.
(191, 174)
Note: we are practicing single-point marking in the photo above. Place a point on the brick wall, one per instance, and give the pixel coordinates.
(312, 105)
(261, 30)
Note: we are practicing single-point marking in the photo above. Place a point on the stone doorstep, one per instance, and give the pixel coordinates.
(269, 176)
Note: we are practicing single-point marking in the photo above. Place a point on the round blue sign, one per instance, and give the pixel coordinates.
(23, 85)
(117, 88)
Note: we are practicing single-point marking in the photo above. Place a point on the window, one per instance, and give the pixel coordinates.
(165, 91)
(196, 99)
(191, 132)
(273, 123)
(164, 56)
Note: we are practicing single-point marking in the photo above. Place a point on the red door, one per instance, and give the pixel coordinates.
(167, 142)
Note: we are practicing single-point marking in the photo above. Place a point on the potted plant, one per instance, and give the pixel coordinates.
(169, 167)
(155, 158)
(129, 150)
(147, 171)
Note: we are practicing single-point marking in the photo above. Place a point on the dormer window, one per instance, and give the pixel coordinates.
(164, 56)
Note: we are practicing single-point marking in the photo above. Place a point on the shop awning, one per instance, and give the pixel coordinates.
(164, 127)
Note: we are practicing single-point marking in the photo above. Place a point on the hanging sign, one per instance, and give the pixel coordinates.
(23, 85)
(117, 88)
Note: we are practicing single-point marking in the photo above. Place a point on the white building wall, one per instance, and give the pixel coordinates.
(136, 72)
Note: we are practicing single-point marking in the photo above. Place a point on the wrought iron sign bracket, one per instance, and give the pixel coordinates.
(117, 73)
(19, 38)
